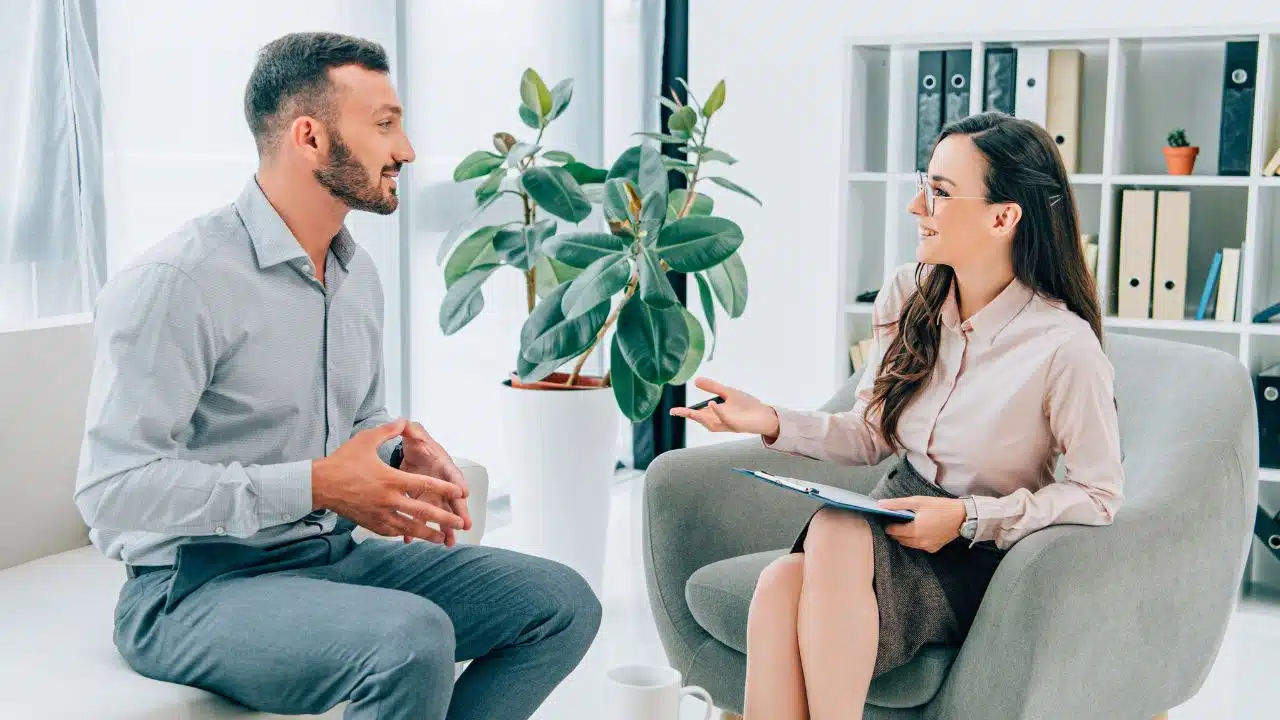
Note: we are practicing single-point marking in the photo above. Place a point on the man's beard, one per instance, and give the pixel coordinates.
(347, 180)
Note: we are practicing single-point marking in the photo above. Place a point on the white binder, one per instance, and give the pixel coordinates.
(1173, 226)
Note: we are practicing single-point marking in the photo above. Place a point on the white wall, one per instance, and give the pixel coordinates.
(782, 120)
(176, 142)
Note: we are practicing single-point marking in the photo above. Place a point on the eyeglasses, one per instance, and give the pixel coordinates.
(922, 185)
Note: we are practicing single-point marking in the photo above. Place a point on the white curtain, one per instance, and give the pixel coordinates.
(51, 195)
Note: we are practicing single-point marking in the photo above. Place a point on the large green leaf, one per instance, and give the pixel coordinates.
(727, 183)
(617, 201)
(560, 96)
(653, 214)
(708, 310)
(463, 300)
(550, 274)
(698, 242)
(547, 335)
(583, 173)
(697, 348)
(534, 93)
(714, 101)
(580, 249)
(477, 164)
(636, 398)
(654, 340)
(655, 288)
(559, 156)
(532, 372)
(530, 118)
(477, 249)
(488, 189)
(702, 204)
(729, 280)
(652, 173)
(627, 165)
(555, 190)
(452, 236)
(597, 284)
(521, 247)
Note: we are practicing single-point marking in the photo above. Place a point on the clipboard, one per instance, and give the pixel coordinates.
(829, 495)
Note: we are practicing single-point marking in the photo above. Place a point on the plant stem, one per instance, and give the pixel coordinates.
(693, 179)
(530, 275)
(577, 368)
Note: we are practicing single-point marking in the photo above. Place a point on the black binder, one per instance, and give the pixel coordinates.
(928, 105)
(1235, 138)
(956, 66)
(1001, 86)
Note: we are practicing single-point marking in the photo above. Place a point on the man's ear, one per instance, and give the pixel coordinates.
(309, 137)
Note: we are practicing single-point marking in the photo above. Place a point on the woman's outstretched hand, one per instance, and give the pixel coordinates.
(739, 412)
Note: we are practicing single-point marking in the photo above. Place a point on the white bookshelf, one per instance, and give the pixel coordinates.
(1137, 85)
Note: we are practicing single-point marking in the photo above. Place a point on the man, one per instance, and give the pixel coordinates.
(236, 434)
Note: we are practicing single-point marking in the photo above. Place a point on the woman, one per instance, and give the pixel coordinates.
(988, 365)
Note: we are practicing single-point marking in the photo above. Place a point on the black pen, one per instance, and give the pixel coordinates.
(705, 403)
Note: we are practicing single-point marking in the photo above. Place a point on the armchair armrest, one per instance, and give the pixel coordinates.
(697, 511)
(1115, 621)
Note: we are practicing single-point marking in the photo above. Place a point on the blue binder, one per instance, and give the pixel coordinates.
(834, 496)
(1209, 282)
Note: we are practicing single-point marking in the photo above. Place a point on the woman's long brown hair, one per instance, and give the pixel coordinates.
(1024, 167)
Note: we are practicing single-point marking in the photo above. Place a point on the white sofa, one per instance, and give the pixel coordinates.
(57, 593)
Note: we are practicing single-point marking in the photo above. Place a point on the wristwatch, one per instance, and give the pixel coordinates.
(397, 455)
(969, 528)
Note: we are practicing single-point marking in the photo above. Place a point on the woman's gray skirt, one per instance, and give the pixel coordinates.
(924, 598)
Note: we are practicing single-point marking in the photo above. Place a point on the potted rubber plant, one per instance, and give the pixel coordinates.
(592, 247)
(1179, 155)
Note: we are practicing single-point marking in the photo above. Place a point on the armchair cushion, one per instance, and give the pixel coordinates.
(719, 596)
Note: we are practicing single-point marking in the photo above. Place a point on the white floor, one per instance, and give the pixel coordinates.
(1242, 685)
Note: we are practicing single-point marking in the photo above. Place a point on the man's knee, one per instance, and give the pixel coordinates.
(414, 636)
(569, 606)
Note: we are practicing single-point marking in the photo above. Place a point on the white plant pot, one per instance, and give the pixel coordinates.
(561, 452)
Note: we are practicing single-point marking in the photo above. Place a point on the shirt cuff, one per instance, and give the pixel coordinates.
(284, 492)
(794, 429)
(991, 513)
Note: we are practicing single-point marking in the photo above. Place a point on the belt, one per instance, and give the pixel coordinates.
(133, 571)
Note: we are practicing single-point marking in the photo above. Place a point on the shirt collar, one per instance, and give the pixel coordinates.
(990, 320)
(273, 242)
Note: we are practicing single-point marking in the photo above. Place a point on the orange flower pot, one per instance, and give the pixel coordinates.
(1180, 160)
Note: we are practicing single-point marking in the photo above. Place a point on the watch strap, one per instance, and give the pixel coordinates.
(397, 455)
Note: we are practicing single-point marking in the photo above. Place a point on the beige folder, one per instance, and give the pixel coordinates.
(1137, 238)
(1173, 230)
(1228, 280)
(1062, 108)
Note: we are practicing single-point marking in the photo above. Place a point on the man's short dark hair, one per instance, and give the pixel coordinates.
(291, 78)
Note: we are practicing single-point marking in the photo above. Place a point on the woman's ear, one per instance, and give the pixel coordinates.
(1006, 220)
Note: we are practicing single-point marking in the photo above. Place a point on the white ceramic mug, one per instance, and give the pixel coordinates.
(649, 692)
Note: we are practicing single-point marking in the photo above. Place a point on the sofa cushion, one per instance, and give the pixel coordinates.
(719, 596)
(59, 660)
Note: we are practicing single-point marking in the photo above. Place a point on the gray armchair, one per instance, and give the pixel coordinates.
(1122, 621)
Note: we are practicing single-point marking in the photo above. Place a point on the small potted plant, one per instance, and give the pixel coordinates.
(1180, 156)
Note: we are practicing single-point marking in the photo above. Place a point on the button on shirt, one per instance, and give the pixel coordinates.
(1021, 383)
(223, 368)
